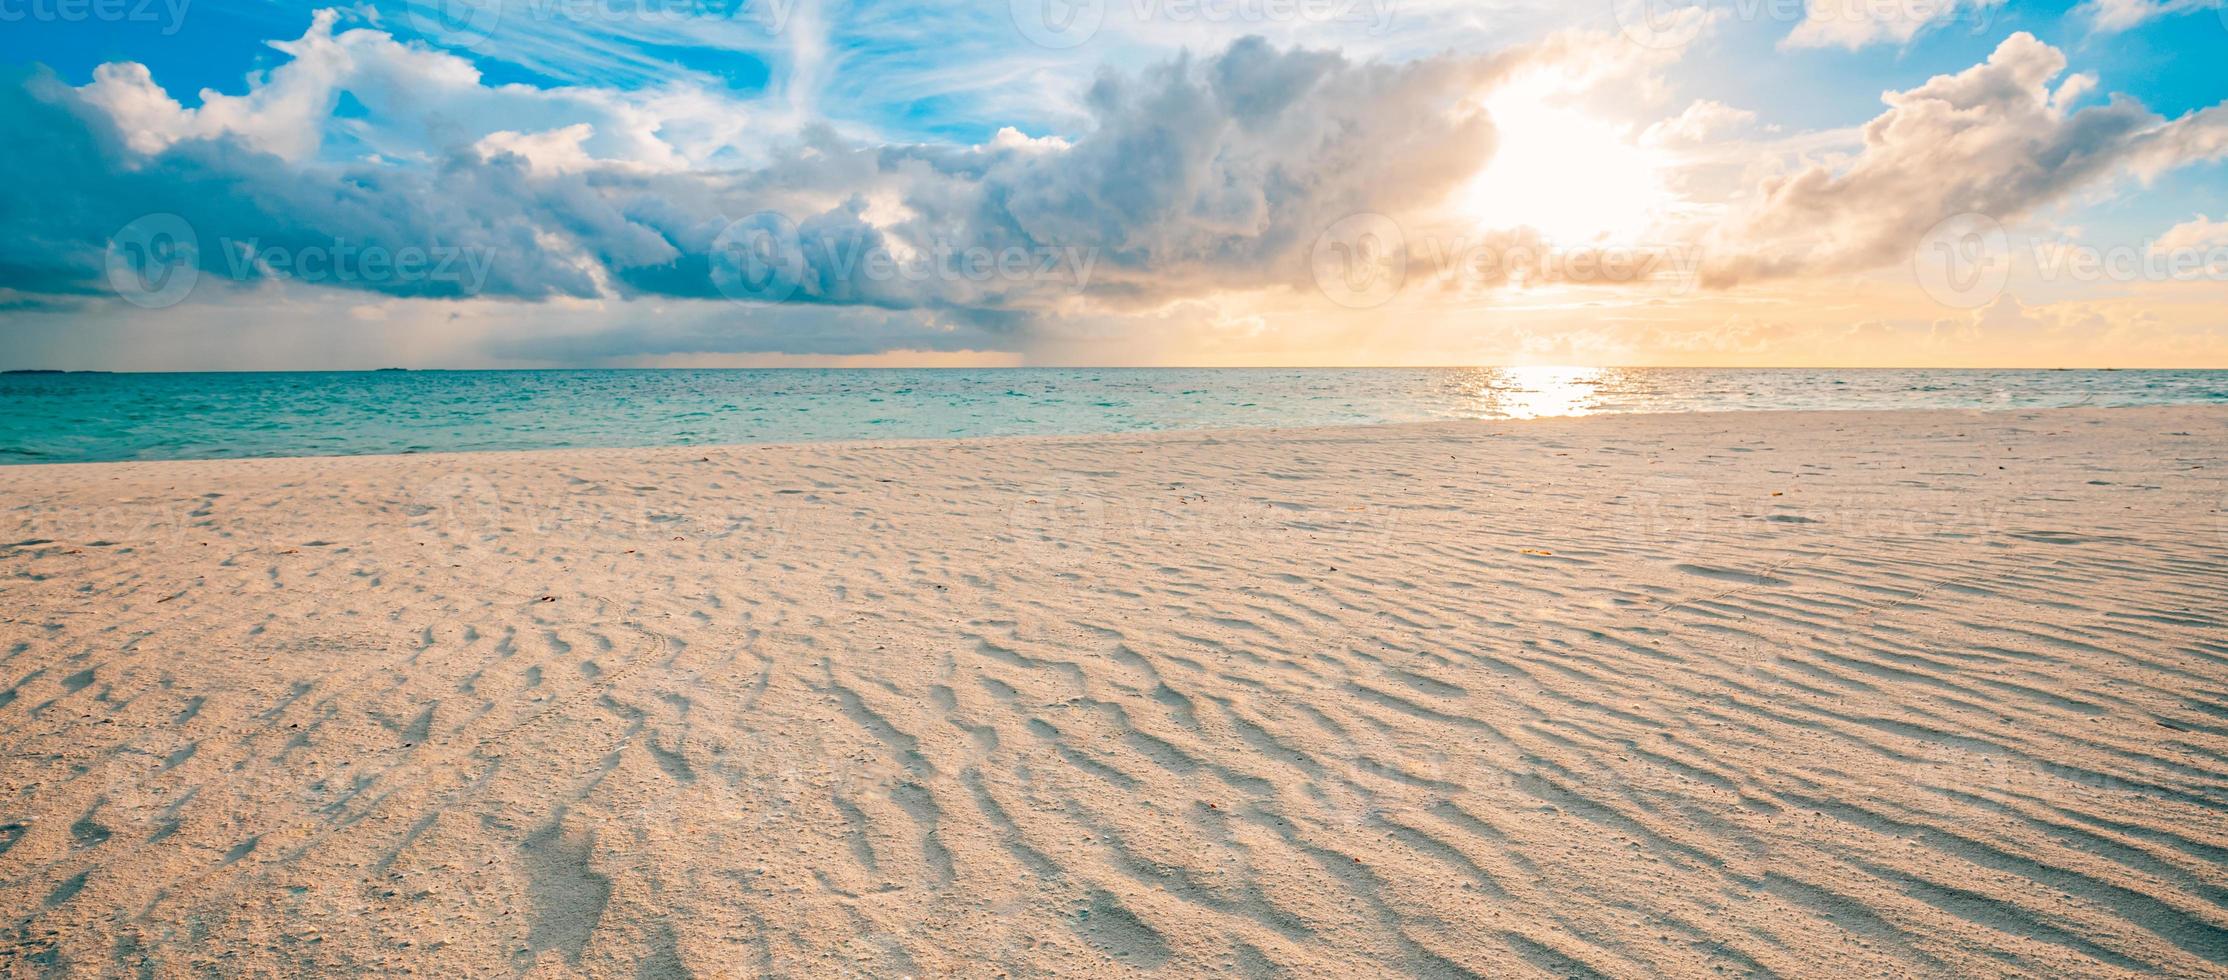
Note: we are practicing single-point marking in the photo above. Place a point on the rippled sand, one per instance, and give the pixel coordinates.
(1825, 694)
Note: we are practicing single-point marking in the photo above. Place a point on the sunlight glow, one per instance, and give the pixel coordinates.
(1538, 392)
(1571, 177)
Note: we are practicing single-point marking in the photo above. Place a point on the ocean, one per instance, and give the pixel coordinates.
(90, 417)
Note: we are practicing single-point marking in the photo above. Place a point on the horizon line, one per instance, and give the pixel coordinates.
(1120, 367)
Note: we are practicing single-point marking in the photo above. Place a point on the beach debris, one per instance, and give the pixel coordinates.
(1541, 552)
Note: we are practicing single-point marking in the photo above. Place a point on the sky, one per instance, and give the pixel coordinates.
(247, 185)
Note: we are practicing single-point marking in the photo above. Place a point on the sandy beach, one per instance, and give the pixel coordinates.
(1749, 694)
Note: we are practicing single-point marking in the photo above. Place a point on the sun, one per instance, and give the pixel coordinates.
(1572, 177)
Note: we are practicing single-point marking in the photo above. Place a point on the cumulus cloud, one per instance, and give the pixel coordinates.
(1995, 139)
(600, 224)
(1200, 173)
(415, 104)
(2198, 233)
(1219, 172)
(79, 183)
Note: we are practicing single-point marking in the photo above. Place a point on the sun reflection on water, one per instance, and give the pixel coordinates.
(1538, 392)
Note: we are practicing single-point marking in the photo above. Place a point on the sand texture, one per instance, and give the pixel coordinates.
(1825, 694)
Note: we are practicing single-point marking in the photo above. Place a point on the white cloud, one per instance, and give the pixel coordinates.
(1853, 24)
(1994, 139)
(1009, 138)
(1196, 174)
(2113, 16)
(2198, 233)
(1199, 180)
(421, 104)
(553, 151)
(1702, 121)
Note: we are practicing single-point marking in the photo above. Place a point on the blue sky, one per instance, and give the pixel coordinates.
(2169, 62)
(588, 173)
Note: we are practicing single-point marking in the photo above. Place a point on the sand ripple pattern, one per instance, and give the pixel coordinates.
(1879, 694)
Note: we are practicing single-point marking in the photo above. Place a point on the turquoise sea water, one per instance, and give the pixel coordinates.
(98, 417)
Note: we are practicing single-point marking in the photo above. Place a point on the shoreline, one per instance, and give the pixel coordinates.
(1228, 432)
(1130, 367)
